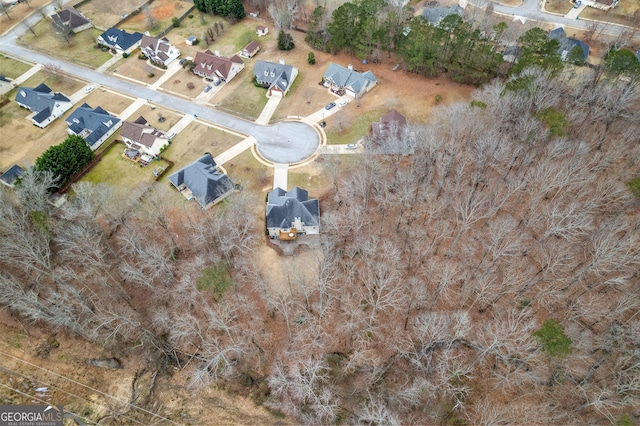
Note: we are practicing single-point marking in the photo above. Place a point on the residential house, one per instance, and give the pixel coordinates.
(215, 67)
(70, 18)
(250, 49)
(262, 31)
(93, 125)
(10, 177)
(45, 104)
(140, 136)
(120, 40)
(277, 78)
(567, 44)
(435, 14)
(158, 50)
(603, 4)
(292, 213)
(203, 181)
(354, 83)
(391, 135)
(191, 40)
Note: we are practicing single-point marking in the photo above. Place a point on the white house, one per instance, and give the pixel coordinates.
(158, 50)
(142, 137)
(45, 104)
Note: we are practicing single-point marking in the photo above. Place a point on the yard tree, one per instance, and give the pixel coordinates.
(317, 34)
(66, 159)
(285, 41)
(537, 50)
(622, 62)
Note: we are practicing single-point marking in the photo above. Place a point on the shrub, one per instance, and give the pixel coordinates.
(216, 279)
(190, 86)
(634, 187)
(554, 341)
(125, 55)
(191, 16)
(311, 58)
(554, 120)
(175, 22)
(439, 98)
(150, 75)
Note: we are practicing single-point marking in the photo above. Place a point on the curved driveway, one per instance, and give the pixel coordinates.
(294, 141)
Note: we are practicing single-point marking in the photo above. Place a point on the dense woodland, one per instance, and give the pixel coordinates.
(489, 275)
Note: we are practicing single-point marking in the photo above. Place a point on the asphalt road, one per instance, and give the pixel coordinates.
(282, 142)
(530, 11)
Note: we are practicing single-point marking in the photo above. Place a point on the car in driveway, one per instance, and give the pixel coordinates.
(342, 103)
(89, 89)
(577, 4)
(352, 146)
(206, 89)
(330, 105)
(182, 61)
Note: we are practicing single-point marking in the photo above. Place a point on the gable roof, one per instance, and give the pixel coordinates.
(252, 46)
(120, 38)
(208, 63)
(71, 17)
(568, 43)
(10, 176)
(274, 74)
(139, 131)
(41, 100)
(203, 179)
(96, 121)
(435, 14)
(284, 207)
(349, 79)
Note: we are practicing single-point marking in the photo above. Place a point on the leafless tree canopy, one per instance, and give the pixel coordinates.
(436, 268)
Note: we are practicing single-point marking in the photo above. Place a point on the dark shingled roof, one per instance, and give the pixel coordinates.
(69, 16)
(203, 179)
(567, 43)
(117, 37)
(272, 74)
(283, 207)
(10, 176)
(40, 99)
(97, 121)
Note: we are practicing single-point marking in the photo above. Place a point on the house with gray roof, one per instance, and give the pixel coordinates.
(120, 40)
(139, 135)
(568, 44)
(10, 177)
(93, 125)
(435, 14)
(70, 18)
(45, 104)
(292, 213)
(158, 50)
(276, 77)
(203, 181)
(354, 83)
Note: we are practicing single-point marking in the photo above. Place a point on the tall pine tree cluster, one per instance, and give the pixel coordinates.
(230, 8)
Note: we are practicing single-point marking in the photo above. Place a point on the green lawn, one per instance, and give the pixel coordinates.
(247, 101)
(353, 127)
(80, 49)
(11, 68)
(121, 173)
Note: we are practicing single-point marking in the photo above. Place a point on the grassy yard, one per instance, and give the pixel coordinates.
(558, 6)
(251, 174)
(105, 14)
(310, 177)
(350, 124)
(11, 68)
(623, 14)
(178, 83)
(119, 172)
(304, 98)
(243, 98)
(196, 139)
(80, 49)
(153, 115)
(137, 69)
(108, 100)
(161, 14)
(57, 83)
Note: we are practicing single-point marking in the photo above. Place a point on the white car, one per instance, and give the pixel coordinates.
(88, 89)
(342, 103)
(352, 146)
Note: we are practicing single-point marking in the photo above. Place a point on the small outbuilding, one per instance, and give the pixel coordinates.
(262, 31)
(10, 177)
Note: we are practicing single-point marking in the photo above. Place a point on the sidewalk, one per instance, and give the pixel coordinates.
(24, 77)
(235, 150)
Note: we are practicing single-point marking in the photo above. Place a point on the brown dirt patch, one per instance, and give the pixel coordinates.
(105, 14)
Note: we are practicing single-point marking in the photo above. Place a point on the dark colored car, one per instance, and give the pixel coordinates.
(330, 105)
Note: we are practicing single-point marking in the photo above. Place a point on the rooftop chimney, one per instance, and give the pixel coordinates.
(281, 61)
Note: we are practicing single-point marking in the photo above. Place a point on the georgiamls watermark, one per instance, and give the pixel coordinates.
(31, 415)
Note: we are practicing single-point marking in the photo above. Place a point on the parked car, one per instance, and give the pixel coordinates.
(577, 4)
(352, 146)
(216, 82)
(206, 89)
(171, 135)
(88, 89)
(342, 103)
(330, 105)
(182, 61)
